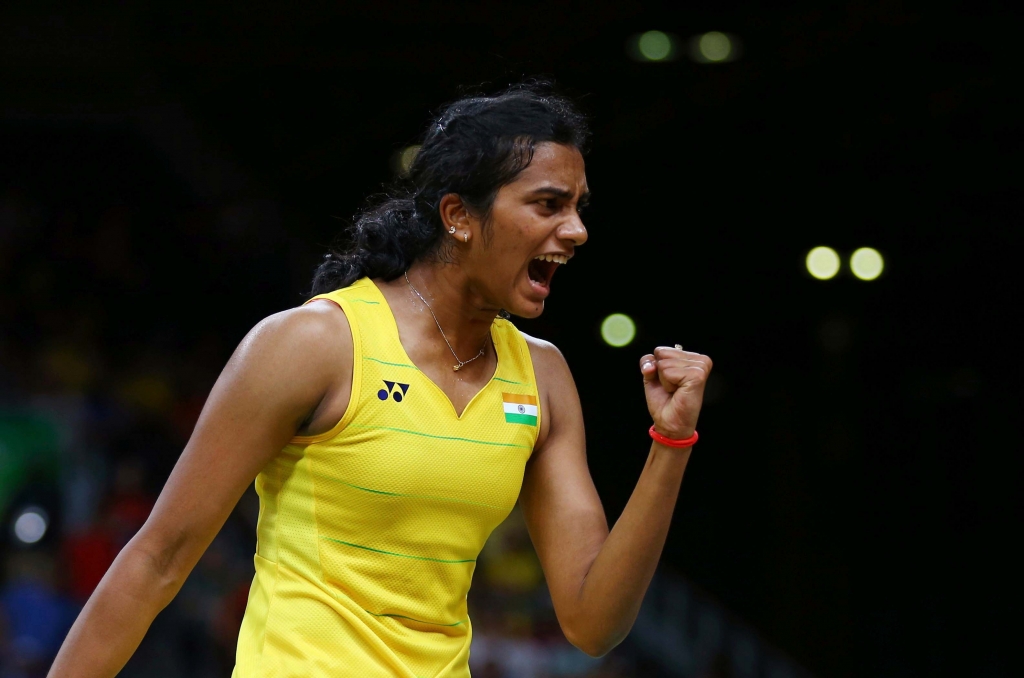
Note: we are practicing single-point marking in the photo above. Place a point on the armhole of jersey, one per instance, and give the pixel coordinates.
(357, 374)
(524, 350)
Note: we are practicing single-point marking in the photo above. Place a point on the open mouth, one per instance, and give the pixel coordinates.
(542, 268)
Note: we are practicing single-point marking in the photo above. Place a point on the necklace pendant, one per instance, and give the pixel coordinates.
(455, 368)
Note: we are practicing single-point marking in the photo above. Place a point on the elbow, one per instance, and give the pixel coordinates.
(161, 565)
(591, 642)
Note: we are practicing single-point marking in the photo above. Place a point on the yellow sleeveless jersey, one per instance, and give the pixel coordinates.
(368, 534)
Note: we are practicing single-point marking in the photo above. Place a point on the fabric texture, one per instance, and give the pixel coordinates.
(368, 534)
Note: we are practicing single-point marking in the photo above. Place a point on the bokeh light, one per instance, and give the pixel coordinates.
(407, 157)
(618, 329)
(715, 46)
(30, 525)
(867, 263)
(822, 263)
(655, 46)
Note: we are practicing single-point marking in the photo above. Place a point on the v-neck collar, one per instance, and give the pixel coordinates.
(401, 347)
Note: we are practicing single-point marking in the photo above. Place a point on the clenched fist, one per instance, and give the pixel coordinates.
(674, 382)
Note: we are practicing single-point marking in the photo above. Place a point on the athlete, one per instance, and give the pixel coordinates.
(396, 418)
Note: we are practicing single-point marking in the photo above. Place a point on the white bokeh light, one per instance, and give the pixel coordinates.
(30, 525)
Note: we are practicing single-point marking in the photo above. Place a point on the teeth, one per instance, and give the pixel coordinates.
(557, 258)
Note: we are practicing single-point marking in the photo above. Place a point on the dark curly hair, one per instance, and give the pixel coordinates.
(473, 148)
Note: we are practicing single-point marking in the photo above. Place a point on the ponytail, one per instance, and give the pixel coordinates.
(385, 241)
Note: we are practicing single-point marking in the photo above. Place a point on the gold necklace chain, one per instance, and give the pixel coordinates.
(455, 368)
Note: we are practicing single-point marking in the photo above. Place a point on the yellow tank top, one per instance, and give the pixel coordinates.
(368, 534)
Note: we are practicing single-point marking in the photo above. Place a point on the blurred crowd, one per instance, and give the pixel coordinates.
(101, 382)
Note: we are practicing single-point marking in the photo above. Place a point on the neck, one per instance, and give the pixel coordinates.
(461, 311)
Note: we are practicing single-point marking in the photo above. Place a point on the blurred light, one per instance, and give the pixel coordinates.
(823, 263)
(30, 525)
(618, 329)
(655, 46)
(407, 157)
(715, 46)
(866, 263)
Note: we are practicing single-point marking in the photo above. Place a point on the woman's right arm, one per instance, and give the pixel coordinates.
(278, 376)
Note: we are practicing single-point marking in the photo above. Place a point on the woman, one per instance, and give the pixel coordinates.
(393, 421)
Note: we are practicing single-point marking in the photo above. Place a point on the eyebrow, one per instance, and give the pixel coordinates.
(561, 193)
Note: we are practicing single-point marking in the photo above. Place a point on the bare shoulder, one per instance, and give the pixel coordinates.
(547, 359)
(310, 339)
(558, 397)
(557, 390)
(311, 320)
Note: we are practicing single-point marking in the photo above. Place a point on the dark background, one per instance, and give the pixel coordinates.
(171, 175)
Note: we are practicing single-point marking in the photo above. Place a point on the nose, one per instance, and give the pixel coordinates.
(573, 230)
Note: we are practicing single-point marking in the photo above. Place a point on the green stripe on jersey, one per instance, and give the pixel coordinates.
(399, 555)
(412, 496)
(429, 435)
(385, 362)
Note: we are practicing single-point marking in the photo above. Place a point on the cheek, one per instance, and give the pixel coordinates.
(514, 238)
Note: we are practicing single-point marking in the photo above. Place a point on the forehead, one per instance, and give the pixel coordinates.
(554, 164)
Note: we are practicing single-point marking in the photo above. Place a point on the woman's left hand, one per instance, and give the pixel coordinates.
(674, 383)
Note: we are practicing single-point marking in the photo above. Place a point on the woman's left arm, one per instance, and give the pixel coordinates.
(598, 578)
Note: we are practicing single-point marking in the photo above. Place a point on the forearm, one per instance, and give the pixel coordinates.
(610, 596)
(116, 617)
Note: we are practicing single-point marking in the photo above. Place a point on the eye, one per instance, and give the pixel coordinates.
(550, 203)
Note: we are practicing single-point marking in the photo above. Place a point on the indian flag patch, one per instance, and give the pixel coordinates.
(519, 409)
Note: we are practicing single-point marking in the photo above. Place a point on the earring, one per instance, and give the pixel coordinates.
(465, 237)
(452, 230)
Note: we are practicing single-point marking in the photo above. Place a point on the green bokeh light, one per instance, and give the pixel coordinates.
(867, 263)
(715, 46)
(618, 329)
(822, 263)
(655, 46)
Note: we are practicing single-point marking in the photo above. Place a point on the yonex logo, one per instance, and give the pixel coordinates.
(397, 393)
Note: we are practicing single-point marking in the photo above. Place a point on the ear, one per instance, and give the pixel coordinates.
(454, 212)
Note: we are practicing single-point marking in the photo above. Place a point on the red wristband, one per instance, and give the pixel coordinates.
(673, 442)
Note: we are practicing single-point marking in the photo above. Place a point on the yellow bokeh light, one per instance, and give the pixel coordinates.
(618, 329)
(655, 46)
(822, 263)
(406, 158)
(715, 46)
(867, 263)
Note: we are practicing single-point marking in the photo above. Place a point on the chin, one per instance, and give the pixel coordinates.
(526, 299)
(527, 310)
(523, 306)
